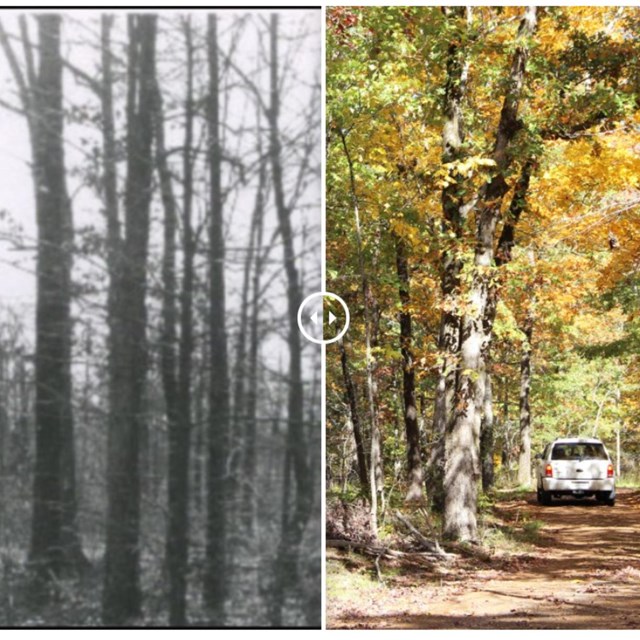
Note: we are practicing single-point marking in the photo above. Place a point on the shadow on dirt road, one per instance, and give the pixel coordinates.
(584, 573)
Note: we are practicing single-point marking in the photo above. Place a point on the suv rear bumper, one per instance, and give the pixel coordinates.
(561, 485)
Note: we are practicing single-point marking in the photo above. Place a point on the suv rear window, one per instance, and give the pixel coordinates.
(578, 451)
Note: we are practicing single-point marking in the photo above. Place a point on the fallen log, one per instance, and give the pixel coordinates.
(369, 549)
(471, 550)
(386, 552)
(430, 545)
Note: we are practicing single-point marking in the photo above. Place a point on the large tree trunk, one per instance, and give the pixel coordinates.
(462, 468)
(178, 542)
(55, 544)
(352, 400)
(122, 598)
(216, 579)
(454, 214)
(177, 386)
(414, 459)
(294, 523)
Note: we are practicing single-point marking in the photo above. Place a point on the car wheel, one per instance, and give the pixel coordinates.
(606, 497)
(544, 497)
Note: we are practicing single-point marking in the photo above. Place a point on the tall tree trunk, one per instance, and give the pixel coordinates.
(216, 580)
(414, 459)
(177, 386)
(109, 179)
(122, 598)
(249, 374)
(524, 459)
(55, 544)
(293, 524)
(376, 478)
(462, 467)
(454, 214)
(182, 441)
(352, 400)
(199, 455)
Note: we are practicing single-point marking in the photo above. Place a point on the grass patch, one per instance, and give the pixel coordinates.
(516, 536)
(350, 577)
(628, 482)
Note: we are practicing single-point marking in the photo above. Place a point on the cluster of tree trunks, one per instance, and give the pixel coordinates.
(463, 447)
(55, 542)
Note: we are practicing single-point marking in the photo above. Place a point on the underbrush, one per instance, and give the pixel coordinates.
(498, 530)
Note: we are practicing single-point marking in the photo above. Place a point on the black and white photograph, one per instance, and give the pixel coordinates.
(160, 411)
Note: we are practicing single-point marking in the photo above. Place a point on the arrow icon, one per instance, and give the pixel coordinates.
(323, 315)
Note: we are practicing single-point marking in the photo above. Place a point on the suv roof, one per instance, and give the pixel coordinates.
(577, 440)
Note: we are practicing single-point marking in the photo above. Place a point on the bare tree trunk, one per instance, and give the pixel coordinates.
(414, 459)
(352, 399)
(249, 408)
(376, 478)
(55, 544)
(524, 460)
(177, 386)
(293, 524)
(216, 579)
(122, 598)
(199, 456)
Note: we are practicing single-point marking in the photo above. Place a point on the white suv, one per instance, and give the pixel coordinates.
(579, 467)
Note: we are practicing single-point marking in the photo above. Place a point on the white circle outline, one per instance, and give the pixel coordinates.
(329, 295)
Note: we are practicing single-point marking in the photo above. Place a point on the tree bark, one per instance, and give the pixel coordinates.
(55, 543)
(462, 468)
(177, 382)
(376, 477)
(454, 214)
(178, 542)
(122, 598)
(524, 460)
(293, 525)
(414, 458)
(216, 580)
(247, 370)
(352, 400)
(486, 434)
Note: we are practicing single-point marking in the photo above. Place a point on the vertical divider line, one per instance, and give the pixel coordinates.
(323, 356)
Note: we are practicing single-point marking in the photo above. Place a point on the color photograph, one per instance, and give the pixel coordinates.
(483, 219)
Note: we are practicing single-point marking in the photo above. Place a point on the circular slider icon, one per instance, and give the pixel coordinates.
(323, 317)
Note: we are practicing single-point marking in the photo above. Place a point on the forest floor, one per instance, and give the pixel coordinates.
(573, 565)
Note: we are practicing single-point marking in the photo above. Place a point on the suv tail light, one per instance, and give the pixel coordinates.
(610, 471)
(548, 471)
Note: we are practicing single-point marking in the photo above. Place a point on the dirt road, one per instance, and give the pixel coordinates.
(581, 572)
